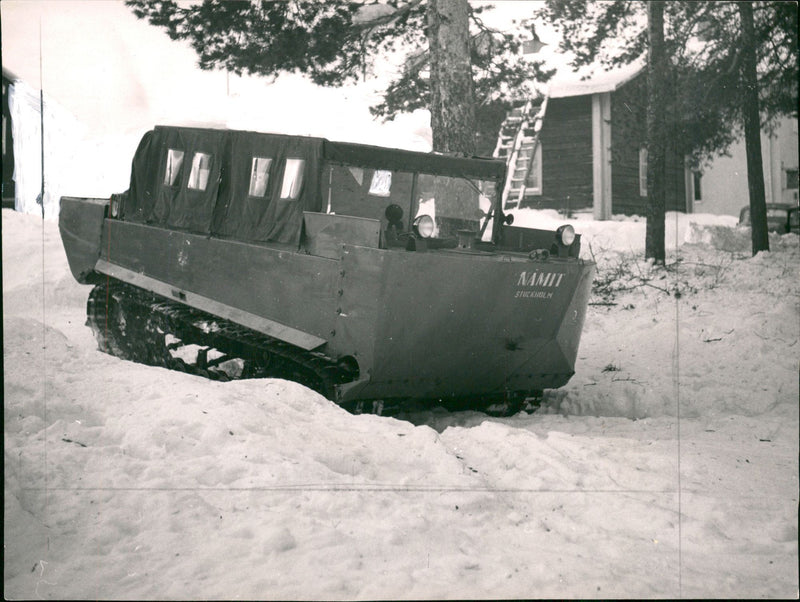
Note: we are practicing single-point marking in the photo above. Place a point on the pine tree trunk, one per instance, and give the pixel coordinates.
(452, 93)
(656, 134)
(752, 133)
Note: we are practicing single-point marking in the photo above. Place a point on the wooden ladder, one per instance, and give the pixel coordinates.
(517, 145)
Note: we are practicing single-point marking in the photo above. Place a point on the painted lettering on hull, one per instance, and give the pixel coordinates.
(541, 284)
(542, 279)
(533, 295)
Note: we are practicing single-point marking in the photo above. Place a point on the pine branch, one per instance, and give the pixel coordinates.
(387, 18)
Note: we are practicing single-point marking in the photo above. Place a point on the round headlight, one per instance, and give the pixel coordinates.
(565, 235)
(423, 226)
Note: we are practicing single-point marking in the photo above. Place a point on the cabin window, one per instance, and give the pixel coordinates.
(697, 179)
(259, 176)
(358, 174)
(173, 168)
(292, 178)
(792, 178)
(533, 184)
(642, 171)
(201, 168)
(364, 192)
(381, 184)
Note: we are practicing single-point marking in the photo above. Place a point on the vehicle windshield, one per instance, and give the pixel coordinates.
(457, 204)
(454, 203)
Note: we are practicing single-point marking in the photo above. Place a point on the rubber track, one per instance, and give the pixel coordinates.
(132, 324)
(152, 317)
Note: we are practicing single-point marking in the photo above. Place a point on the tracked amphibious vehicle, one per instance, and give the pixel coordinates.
(373, 275)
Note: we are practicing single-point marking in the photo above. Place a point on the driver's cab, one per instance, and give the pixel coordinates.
(412, 206)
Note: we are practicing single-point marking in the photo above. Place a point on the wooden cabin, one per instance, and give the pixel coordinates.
(589, 139)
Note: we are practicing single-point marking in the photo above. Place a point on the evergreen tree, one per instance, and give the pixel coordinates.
(708, 51)
(452, 63)
(656, 134)
(752, 132)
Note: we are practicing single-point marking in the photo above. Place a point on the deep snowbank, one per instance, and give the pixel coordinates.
(626, 233)
(667, 467)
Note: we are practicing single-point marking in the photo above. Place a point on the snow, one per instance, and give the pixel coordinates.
(626, 233)
(590, 80)
(667, 467)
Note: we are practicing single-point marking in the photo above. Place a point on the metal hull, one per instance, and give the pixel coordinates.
(421, 325)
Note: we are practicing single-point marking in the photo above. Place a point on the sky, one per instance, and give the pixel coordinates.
(109, 68)
(118, 77)
(96, 58)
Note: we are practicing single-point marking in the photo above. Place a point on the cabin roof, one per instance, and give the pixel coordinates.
(597, 83)
(9, 75)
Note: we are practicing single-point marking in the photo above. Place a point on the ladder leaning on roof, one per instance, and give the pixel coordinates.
(517, 144)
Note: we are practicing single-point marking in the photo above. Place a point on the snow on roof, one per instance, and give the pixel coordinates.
(573, 84)
(9, 75)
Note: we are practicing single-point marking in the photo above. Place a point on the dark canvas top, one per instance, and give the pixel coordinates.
(199, 179)
(378, 157)
(176, 205)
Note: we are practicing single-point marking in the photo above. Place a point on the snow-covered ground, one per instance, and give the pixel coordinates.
(667, 467)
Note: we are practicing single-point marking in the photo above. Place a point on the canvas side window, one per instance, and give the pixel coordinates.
(381, 184)
(292, 178)
(174, 162)
(201, 168)
(533, 185)
(259, 176)
(642, 171)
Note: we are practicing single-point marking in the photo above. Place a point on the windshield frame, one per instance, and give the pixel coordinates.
(485, 188)
(480, 197)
